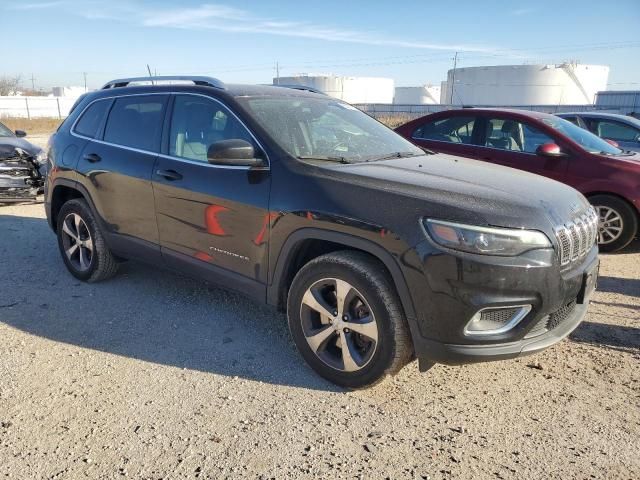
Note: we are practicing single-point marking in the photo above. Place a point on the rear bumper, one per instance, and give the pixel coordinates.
(451, 354)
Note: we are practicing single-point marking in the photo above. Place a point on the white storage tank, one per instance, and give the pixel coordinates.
(512, 85)
(424, 95)
(349, 89)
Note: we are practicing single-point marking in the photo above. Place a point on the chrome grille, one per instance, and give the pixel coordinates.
(575, 238)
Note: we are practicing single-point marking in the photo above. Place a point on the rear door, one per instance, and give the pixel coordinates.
(513, 143)
(117, 164)
(454, 134)
(213, 219)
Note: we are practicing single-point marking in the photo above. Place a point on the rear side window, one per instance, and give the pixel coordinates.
(616, 131)
(91, 119)
(136, 122)
(451, 130)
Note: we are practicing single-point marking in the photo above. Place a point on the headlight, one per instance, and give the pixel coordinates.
(41, 157)
(485, 240)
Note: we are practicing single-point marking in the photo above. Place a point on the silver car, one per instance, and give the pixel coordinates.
(622, 129)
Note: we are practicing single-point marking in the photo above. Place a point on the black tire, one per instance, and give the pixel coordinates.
(102, 264)
(629, 221)
(369, 279)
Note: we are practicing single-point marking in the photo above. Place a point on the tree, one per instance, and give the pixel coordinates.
(9, 85)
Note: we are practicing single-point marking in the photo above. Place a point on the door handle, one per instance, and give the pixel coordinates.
(169, 174)
(92, 157)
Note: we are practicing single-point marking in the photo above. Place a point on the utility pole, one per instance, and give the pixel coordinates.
(33, 83)
(277, 73)
(453, 77)
(85, 81)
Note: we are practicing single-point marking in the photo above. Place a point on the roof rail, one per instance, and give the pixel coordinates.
(296, 86)
(202, 81)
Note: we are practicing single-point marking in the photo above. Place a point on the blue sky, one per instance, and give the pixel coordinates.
(412, 42)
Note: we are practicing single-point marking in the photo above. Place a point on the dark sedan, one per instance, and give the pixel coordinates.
(22, 167)
(547, 145)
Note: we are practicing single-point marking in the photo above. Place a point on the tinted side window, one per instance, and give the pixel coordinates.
(136, 122)
(90, 121)
(573, 120)
(616, 131)
(198, 122)
(451, 130)
(514, 136)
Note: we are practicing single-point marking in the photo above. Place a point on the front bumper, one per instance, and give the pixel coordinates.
(452, 354)
(448, 288)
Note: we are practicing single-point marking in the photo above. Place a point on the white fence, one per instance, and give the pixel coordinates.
(32, 107)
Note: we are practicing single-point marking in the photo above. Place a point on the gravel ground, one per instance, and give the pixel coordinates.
(153, 375)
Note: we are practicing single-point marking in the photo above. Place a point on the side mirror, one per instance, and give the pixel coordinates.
(613, 143)
(21, 133)
(549, 150)
(235, 152)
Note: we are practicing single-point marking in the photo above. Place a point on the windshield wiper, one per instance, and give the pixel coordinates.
(324, 158)
(394, 155)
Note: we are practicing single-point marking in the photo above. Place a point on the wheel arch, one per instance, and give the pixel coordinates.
(308, 243)
(63, 191)
(590, 194)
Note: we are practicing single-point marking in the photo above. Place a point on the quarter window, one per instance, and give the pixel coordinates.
(90, 121)
(136, 122)
(506, 134)
(197, 123)
(451, 130)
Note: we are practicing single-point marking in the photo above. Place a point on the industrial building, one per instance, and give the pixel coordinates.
(513, 85)
(424, 95)
(349, 89)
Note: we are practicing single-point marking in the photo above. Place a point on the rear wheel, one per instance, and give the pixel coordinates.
(82, 245)
(617, 222)
(346, 319)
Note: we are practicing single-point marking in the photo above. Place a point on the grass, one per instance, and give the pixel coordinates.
(393, 120)
(35, 126)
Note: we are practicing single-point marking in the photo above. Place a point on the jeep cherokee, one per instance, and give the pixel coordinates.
(377, 253)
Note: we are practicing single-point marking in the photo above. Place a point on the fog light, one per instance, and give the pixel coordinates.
(495, 320)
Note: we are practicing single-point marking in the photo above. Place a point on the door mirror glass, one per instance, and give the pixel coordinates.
(232, 152)
(21, 133)
(549, 150)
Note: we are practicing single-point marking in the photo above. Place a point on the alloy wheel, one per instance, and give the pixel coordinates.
(77, 242)
(339, 325)
(610, 225)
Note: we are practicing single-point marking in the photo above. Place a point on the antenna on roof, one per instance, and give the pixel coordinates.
(150, 76)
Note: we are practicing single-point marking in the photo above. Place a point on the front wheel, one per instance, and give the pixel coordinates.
(346, 319)
(617, 222)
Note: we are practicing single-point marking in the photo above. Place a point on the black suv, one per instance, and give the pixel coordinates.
(380, 252)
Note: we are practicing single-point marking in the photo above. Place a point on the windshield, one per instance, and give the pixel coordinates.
(5, 132)
(587, 140)
(326, 129)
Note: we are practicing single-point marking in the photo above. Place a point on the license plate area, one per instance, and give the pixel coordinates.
(589, 283)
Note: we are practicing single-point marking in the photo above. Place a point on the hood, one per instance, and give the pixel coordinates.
(473, 191)
(28, 147)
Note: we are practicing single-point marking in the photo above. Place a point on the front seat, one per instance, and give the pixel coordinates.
(196, 139)
(511, 139)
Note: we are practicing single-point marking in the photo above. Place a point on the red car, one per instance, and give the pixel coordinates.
(547, 145)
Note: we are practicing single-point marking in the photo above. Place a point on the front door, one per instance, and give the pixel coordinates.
(514, 143)
(212, 218)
